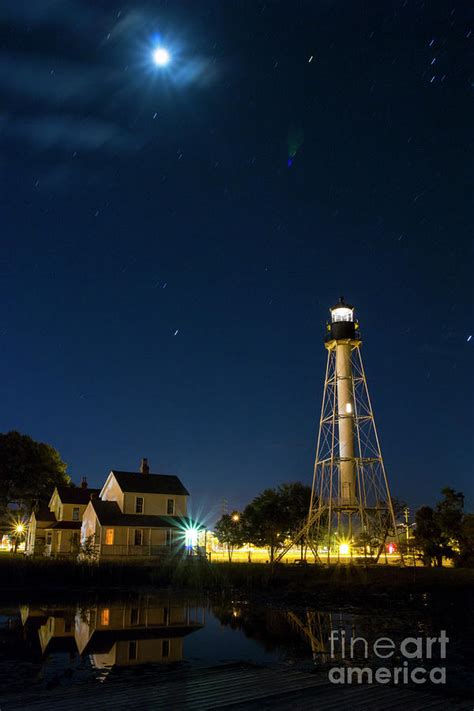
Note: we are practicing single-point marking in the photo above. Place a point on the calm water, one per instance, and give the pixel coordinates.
(51, 645)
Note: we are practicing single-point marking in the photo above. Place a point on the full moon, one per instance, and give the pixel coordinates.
(161, 56)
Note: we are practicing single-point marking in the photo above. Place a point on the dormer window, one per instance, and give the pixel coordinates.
(170, 507)
(75, 514)
(139, 504)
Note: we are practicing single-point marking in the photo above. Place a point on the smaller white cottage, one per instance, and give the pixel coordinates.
(137, 514)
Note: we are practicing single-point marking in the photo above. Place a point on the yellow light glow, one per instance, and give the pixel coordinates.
(349, 408)
(344, 548)
(235, 517)
(19, 528)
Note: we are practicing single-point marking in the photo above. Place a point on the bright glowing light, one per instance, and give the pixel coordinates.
(161, 56)
(342, 313)
(349, 408)
(191, 537)
(344, 548)
(391, 548)
(19, 528)
(235, 517)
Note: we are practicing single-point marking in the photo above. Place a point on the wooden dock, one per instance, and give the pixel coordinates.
(237, 687)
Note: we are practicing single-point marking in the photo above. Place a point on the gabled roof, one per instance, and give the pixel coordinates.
(150, 483)
(67, 525)
(44, 514)
(75, 494)
(109, 514)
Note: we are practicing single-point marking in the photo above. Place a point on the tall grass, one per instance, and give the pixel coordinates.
(19, 572)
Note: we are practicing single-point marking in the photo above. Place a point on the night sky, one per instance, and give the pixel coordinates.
(172, 238)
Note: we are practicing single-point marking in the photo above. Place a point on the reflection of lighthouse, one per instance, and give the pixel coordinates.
(351, 510)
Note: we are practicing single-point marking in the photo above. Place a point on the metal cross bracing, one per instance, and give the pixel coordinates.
(364, 520)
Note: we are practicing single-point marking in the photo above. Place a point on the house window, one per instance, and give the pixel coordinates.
(166, 616)
(105, 617)
(170, 508)
(109, 536)
(138, 537)
(74, 540)
(169, 537)
(139, 504)
(49, 536)
(67, 626)
(134, 617)
(75, 514)
(165, 648)
(132, 650)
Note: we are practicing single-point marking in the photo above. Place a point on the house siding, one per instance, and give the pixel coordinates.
(153, 504)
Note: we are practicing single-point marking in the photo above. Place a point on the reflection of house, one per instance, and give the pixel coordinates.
(149, 631)
(136, 633)
(54, 627)
(55, 530)
(137, 513)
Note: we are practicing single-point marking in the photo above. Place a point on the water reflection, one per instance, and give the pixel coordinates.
(150, 630)
(49, 645)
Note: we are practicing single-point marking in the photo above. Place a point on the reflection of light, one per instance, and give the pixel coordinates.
(344, 548)
(161, 56)
(191, 537)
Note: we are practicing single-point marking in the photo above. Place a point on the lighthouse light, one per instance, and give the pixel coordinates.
(342, 313)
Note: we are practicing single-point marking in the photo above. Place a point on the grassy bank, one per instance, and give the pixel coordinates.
(18, 573)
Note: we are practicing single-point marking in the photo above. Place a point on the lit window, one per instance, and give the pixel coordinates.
(139, 504)
(75, 514)
(165, 648)
(138, 537)
(109, 536)
(105, 617)
(170, 508)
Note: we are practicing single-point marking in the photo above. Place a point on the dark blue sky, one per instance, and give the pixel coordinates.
(138, 203)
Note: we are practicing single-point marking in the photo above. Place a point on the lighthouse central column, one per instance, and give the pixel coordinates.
(345, 411)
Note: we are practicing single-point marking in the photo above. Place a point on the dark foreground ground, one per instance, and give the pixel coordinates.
(244, 687)
(20, 575)
(277, 608)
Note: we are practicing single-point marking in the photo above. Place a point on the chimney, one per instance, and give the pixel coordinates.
(84, 483)
(144, 468)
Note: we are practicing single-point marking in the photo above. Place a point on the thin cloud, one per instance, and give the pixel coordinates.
(52, 81)
(69, 133)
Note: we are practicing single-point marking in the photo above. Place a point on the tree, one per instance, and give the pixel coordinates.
(295, 498)
(29, 471)
(267, 521)
(449, 514)
(428, 536)
(229, 531)
(439, 531)
(466, 541)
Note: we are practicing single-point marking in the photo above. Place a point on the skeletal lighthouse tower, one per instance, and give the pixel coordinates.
(351, 507)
